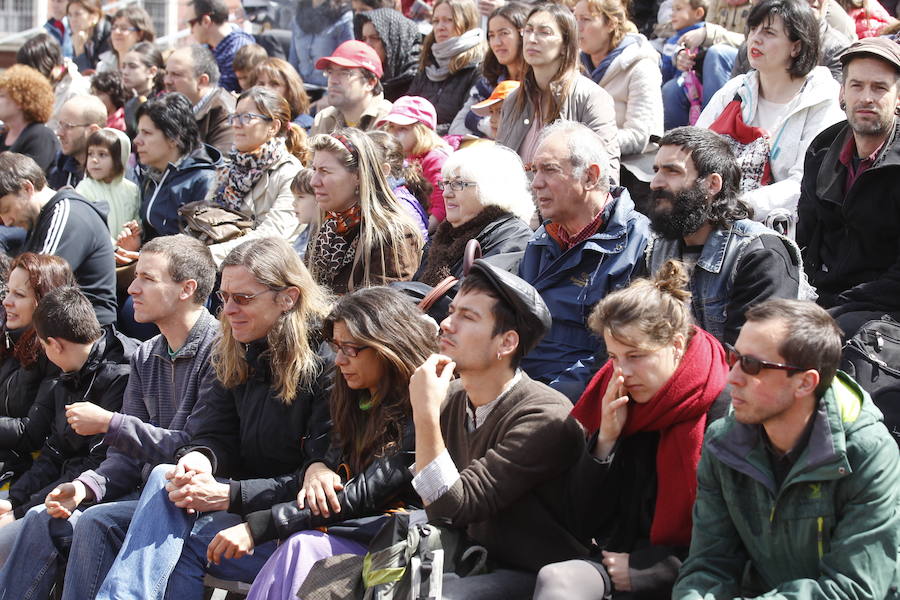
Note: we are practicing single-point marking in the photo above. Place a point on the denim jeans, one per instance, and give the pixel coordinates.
(32, 566)
(164, 553)
(717, 65)
(99, 535)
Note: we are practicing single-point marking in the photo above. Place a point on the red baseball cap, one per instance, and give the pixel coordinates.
(353, 54)
(411, 109)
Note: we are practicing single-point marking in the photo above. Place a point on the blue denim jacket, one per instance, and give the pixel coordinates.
(572, 282)
(712, 280)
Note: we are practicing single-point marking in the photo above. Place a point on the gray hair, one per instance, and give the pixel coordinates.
(500, 176)
(205, 63)
(585, 148)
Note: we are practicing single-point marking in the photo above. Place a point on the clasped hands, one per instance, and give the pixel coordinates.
(318, 494)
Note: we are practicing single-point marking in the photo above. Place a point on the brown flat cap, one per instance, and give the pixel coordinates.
(879, 47)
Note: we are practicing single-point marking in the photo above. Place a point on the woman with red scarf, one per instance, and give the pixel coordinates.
(644, 413)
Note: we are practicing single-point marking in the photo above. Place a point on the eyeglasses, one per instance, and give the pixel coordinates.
(63, 126)
(541, 33)
(455, 185)
(123, 29)
(243, 299)
(245, 118)
(752, 365)
(197, 19)
(340, 74)
(348, 350)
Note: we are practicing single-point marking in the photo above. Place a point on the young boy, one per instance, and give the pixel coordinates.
(95, 366)
(305, 207)
(687, 15)
(246, 59)
(490, 109)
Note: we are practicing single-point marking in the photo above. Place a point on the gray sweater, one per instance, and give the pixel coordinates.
(160, 397)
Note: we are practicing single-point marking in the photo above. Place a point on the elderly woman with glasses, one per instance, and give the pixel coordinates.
(269, 150)
(487, 199)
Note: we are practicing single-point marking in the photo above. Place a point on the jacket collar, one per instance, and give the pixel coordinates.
(192, 342)
(741, 447)
(832, 174)
(77, 379)
(610, 239)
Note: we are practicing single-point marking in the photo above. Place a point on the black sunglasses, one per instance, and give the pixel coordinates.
(752, 365)
(197, 19)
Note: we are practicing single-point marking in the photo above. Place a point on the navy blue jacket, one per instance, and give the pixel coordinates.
(572, 282)
(190, 180)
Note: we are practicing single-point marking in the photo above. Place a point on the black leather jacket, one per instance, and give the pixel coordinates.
(385, 481)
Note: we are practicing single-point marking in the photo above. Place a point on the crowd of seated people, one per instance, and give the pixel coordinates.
(573, 281)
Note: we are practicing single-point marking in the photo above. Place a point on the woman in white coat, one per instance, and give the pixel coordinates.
(785, 95)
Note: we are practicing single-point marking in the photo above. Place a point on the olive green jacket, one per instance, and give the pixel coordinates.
(830, 531)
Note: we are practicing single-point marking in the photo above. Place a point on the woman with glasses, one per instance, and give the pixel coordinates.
(265, 416)
(26, 104)
(554, 89)
(450, 63)
(130, 25)
(269, 150)
(175, 168)
(91, 31)
(487, 198)
(336, 504)
(366, 238)
(644, 414)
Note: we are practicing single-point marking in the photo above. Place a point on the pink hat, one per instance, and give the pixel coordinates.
(353, 54)
(411, 109)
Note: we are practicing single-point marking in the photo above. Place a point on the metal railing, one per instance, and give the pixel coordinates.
(34, 12)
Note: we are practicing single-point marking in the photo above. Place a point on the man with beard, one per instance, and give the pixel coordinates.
(849, 209)
(698, 218)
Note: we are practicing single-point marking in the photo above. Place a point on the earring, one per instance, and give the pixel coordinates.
(356, 191)
(498, 356)
(843, 105)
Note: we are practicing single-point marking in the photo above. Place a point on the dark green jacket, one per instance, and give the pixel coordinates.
(832, 529)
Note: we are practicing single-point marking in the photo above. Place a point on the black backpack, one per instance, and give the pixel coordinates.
(872, 358)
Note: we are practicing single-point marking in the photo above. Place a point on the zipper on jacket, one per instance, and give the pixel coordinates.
(155, 192)
(820, 523)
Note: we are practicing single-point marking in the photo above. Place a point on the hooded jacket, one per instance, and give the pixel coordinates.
(189, 180)
(830, 530)
(121, 195)
(65, 454)
(849, 237)
(402, 42)
(74, 228)
(634, 81)
(813, 109)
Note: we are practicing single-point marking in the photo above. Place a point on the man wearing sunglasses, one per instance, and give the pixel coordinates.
(698, 218)
(797, 490)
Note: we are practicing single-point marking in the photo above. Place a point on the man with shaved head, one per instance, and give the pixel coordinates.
(77, 119)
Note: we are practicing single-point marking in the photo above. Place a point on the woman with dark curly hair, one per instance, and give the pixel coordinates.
(26, 104)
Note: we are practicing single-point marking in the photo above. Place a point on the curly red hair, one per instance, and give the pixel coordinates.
(30, 90)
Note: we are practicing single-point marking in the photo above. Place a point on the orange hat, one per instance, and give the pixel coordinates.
(503, 89)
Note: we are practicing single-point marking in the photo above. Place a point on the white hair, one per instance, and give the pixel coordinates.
(500, 176)
(585, 148)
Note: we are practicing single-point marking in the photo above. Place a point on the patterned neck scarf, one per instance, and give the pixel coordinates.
(335, 244)
(238, 177)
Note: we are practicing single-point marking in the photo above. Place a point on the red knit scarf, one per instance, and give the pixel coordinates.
(678, 412)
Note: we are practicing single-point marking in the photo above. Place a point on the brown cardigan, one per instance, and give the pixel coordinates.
(510, 495)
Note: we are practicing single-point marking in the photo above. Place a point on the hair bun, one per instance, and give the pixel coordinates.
(672, 278)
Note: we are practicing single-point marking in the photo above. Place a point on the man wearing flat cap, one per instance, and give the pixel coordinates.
(849, 209)
(493, 446)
